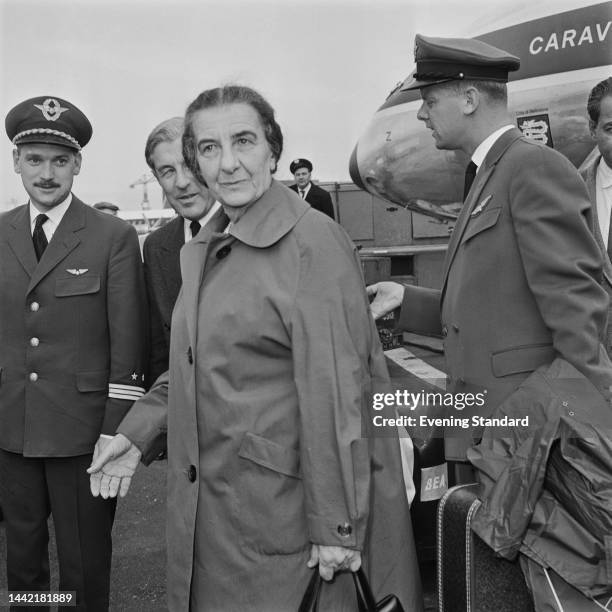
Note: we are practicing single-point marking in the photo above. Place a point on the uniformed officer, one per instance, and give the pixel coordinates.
(71, 349)
(520, 284)
(317, 197)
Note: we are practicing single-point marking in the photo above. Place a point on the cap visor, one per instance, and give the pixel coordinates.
(413, 83)
(47, 139)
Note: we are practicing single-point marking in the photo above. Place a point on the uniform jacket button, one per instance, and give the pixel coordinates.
(345, 530)
(34, 306)
(455, 327)
(34, 341)
(192, 473)
(33, 376)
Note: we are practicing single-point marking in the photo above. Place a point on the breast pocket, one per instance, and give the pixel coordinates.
(77, 285)
(481, 222)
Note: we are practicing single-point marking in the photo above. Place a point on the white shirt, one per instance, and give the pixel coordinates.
(203, 221)
(306, 190)
(485, 146)
(55, 215)
(603, 195)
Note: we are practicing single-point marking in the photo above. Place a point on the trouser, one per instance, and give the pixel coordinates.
(30, 490)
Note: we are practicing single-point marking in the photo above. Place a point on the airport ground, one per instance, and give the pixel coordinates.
(139, 560)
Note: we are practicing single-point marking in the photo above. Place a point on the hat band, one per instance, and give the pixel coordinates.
(47, 131)
(432, 71)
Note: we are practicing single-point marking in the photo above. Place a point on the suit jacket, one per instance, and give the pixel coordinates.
(589, 175)
(71, 331)
(521, 282)
(319, 199)
(162, 270)
(266, 451)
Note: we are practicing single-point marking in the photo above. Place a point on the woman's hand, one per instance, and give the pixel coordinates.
(334, 558)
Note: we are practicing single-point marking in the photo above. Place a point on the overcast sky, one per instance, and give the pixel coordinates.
(325, 66)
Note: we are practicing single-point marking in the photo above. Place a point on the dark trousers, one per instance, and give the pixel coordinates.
(30, 490)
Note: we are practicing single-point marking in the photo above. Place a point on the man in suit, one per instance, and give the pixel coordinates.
(597, 174)
(521, 277)
(317, 197)
(71, 353)
(195, 206)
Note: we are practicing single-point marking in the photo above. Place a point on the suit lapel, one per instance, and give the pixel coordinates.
(482, 177)
(20, 240)
(170, 262)
(63, 242)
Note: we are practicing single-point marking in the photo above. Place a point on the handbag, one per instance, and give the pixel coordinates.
(365, 597)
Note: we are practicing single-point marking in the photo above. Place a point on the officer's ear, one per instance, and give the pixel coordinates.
(77, 163)
(16, 165)
(471, 100)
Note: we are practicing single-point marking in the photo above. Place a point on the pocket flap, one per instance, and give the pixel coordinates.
(521, 359)
(77, 285)
(270, 455)
(95, 380)
(480, 222)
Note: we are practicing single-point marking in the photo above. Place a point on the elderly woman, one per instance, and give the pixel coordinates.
(273, 359)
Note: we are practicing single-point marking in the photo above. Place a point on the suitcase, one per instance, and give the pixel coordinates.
(470, 577)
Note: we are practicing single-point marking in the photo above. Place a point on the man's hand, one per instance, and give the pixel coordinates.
(387, 297)
(114, 463)
(333, 558)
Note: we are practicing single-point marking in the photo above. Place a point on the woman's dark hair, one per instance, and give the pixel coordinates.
(231, 94)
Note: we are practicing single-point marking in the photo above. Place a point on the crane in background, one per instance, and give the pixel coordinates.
(144, 180)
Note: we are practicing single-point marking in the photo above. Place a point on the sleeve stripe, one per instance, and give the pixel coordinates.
(124, 397)
(118, 387)
(135, 392)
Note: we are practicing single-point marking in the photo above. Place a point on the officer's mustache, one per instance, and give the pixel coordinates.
(44, 185)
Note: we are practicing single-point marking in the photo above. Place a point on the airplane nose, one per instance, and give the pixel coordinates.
(354, 169)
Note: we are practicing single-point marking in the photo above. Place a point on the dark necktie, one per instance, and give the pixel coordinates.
(38, 236)
(470, 174)
(302, 193)
(195, 228)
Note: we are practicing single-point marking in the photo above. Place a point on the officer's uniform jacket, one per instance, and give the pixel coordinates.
(71, 331)
(589, 174)
(521, 282)
(318, 198)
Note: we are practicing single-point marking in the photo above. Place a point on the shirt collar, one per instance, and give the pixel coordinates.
(268, 219)
(203, 221)
(54, 214)
(604, 174)
(485, 146)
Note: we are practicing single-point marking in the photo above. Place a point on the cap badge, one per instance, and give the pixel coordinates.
(51, 109)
